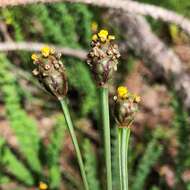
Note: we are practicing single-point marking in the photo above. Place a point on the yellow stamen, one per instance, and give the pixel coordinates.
(137, 98)
(94, 37)
(103, 34)
(52, 50)
(43, 186)
(111, 37)
(46, 51)
(122, 92)
(34, 57)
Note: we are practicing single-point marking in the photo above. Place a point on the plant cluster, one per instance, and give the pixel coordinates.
(35, 163)
(103, 60)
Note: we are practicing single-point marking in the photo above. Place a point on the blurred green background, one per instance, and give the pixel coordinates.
(34, 143)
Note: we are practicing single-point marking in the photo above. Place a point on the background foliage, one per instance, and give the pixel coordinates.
(36, 157)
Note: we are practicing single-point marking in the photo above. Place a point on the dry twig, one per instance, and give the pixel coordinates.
(32, 46)
(128, 6)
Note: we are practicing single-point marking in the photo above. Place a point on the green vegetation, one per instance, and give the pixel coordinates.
(33, 156)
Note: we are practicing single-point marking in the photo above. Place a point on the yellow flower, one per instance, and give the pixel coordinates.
(94, 37)
(137, 98)
(122, 92)
(34, 57)
(43, 186)
(46, 50)
(94, 26)
(111, 37)
(103, 34)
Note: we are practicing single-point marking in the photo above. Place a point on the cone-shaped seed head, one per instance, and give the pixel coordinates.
(103, 57)
(50, 71)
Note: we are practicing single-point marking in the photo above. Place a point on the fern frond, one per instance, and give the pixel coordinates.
(90, 166)
(10, 163)
(53, 152)
(83, 19)
(52, 31)
(65, 20)
(181, 124)
(151, 155)
(84, 84)
(23, 126)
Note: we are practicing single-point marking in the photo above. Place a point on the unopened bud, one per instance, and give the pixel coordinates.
(126, 107)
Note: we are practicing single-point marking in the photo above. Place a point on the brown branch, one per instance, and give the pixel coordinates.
(4, 3)
(143, 9)
(128, 6)
(31, 46)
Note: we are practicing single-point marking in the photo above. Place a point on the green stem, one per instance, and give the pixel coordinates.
(106, 127)
(119, 157)
(75, 142)
(125, 134)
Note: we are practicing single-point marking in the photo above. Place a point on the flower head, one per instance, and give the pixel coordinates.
(43, 186)
(95, 37)
(103, 57)
(34, 57)
(46, 51)
(126, 106)
(50, 71)
(122, 92)
(103, 34)
(137, 98)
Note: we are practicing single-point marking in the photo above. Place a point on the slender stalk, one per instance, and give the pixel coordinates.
(127, 147)
(125, 134)
(106, 127)
(75, 142)
(119, 153)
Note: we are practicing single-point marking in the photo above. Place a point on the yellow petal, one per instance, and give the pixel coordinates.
(122, 92)
(42, 186)
(137, 99)
(34, 57)
(111, 37)
(103, 34)
(103, 39)
(94, 37)
(46, 50)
